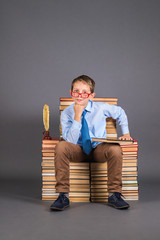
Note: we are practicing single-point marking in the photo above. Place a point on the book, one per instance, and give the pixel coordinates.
(62, 100)
(107, 140)
(67, 104)
(51, 141)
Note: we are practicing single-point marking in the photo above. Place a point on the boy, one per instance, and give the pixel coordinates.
(80, 122)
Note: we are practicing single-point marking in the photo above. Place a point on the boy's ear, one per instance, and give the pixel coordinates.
(92, 95)
(70, 91)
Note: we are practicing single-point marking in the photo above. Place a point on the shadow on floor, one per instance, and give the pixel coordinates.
(30, 190)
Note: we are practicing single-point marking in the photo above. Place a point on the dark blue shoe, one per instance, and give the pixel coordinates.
(61, 203)
(117, 201)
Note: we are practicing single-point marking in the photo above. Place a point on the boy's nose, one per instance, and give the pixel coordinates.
(80, 95)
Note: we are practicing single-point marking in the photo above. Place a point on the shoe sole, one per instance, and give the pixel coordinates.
(123, 207)
(59, 209)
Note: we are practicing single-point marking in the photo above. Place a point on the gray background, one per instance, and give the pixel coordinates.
(44, 46)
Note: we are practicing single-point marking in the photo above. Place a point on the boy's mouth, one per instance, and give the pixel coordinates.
(79, 100)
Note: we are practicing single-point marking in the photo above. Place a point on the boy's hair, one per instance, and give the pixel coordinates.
(85, 79)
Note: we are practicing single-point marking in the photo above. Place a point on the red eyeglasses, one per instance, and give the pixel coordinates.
(83, 95)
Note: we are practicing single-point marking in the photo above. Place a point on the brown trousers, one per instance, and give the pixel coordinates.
(66, 152)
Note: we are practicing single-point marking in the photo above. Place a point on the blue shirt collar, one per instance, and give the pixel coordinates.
(89, 106)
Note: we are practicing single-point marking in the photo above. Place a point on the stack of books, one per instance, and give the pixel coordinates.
(48, 169)
(79, 182)
(99, 176)
(130, 171)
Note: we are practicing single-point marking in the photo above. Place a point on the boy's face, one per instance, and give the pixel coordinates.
(81, 87)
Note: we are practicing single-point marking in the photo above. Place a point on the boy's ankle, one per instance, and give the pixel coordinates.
(66, 194)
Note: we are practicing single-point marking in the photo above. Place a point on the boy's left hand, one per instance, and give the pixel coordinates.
(126, 137)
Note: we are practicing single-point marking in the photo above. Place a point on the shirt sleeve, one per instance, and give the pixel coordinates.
(71, 129)
(119, 114)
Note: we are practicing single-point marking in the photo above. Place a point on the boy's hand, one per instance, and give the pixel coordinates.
(126, 137)
(78, 109)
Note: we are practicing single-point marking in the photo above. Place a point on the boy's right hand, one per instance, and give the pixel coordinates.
(78, 109)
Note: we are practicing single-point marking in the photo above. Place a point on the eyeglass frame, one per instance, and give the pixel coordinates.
(80, 94)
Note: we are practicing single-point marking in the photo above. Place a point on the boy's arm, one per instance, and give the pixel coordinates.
(119, 114)
(71, 126)
(78, 109)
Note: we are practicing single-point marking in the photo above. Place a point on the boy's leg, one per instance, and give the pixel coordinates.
(64, 153)
(111, 153)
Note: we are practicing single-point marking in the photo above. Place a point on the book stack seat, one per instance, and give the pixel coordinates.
(88, 182)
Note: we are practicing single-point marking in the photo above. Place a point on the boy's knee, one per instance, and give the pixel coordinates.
(61, 147)
(115, 150)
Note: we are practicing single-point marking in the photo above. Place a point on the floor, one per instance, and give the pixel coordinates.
(24, 216)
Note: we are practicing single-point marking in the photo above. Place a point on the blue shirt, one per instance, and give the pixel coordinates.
(96, 115)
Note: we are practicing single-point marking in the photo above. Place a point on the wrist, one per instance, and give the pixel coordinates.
(77, 118)
(126, 134)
